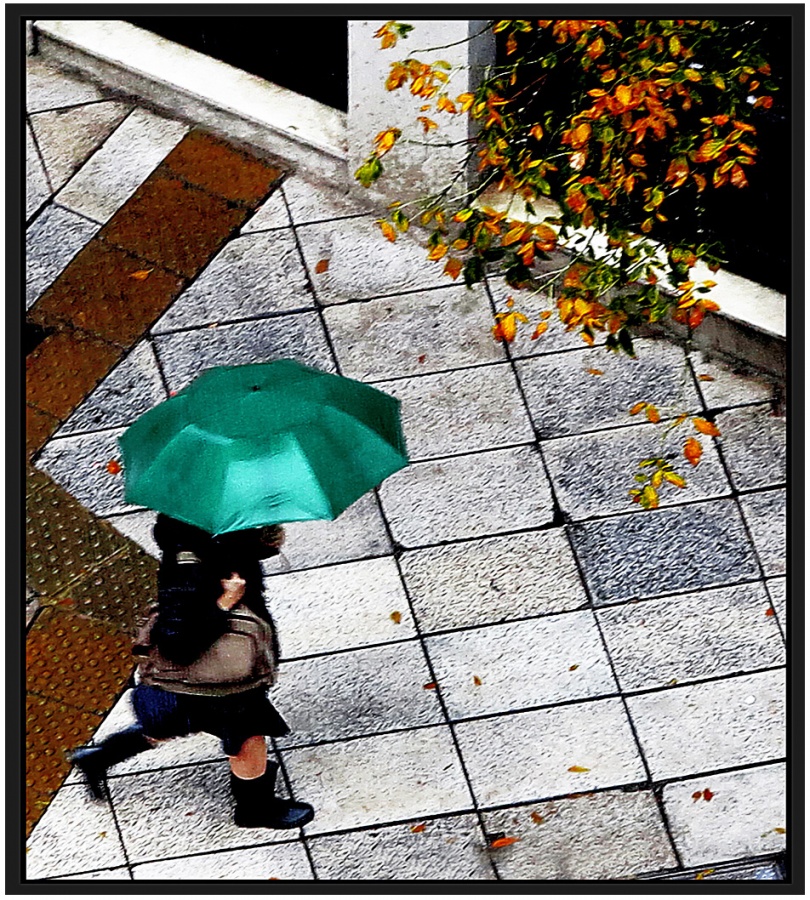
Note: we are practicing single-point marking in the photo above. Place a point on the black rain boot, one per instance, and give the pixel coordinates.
(94, 760)
(258, 807)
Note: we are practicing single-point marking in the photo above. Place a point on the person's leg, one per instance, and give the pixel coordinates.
(253, 779)
(93, 760)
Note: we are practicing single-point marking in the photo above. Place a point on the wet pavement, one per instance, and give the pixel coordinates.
(494, 667)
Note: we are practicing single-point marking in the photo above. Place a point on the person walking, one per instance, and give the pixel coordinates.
(201, 578)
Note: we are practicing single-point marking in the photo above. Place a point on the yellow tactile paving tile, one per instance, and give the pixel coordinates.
(93, 583)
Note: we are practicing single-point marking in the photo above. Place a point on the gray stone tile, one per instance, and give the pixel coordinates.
(753, 444)
(766, 517)
(357, 693)
(730, 385)
(593, 473)
(467, 496)
(53, 239)
(714, 725)
(529, 755)
(67, 137)
(691, 636)
(279, 862)
(778, 592)
(75, 834)
(461, 411)
(113, 174)
(362, 263)
(137, 526)
(611, 835)
(37, 189)
(648, 553)
(532, 304)
(313, 202)
(339, 607)
(357, 533)
(740, 819)
(178, 812)
(413, 334)
(46, 87)
(270, 215)
(79, 464)
(565, 398)
(298, 336)
(254, 275)
(133, 387)
(449, 848)
(119, 874)
(380, 779)
(505, 668)
(492, 580)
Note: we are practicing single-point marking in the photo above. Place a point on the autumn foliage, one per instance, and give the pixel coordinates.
(624, 125)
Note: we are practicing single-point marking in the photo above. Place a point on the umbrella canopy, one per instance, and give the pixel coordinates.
(260, 444)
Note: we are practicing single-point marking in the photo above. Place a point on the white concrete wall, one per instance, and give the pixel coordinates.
(411, 169)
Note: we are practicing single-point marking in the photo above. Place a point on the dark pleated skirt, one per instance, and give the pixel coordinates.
(233, 719)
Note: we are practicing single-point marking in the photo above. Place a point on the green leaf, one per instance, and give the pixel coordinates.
(473, 271)
(369, 172)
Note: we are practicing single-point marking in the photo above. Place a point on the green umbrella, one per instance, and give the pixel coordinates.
(260, 444)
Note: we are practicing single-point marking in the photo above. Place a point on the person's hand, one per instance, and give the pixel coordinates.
(233, 589)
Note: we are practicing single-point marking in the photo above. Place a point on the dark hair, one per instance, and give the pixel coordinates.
(172, 535)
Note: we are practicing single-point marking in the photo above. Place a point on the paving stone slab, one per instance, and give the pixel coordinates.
(137, 526)
(311, 201)
(358, 533)
(339, 607)
(252, 276)
(75, 834)
(413, 334)
(528, 756)
(766, 514)
(298, 336)
(355, 694)
(492, 580)
(714, 725)
(362, 263)
(778, 593)
(67, 137)
(730, 385)
(46, 87)
(119, 874)
(451, 848)
(753, 442)
(467, 496)
(133, 387)
(532, 304)
(272, 214)
(278, 862)
(678, 639)
(744, 817)
(647, 553)
(611, 835)
(79, 464)
(118, 169)
(177, 812)
(564, 397)
(461, 411)
(53, 239)
(381, 779)
(37, 189)
(505, 668)
(593, 473)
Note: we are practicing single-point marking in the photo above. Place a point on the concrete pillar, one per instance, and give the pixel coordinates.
(412, 169)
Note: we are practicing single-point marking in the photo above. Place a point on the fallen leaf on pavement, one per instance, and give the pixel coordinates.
(113, 467)
(430, 686)
(706, 377)
(321, 266)
(396, 616)
(418, 829)
(476, 680)
(578, 769)
(503, 842)
(769, 611)
(141, 274)
(574, 667)
(701, 875)
(537, 818)
(595, 372)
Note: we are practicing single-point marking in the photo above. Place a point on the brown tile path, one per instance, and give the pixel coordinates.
(92, 582)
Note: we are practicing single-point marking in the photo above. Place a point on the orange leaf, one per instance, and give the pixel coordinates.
(546, 314)
(693, 450)
(707, 794)
(396, 616)
(542, 327)
(465, 101)
(322, 266)
(573, 668)
(695, 317)
(437, 252)
(113, 467)
(536, 132)
(477, 681)
(388, 230)
(503, 842)
(635, 410)
(706, 427)
(595, 372)
(770, 611)
(697, 795)
(418, 829)
(537, 818)
(385, 140)
(673, 478)
(578, 769)
(141, 274)
(430, 686)
(427, 124)
(652, 414)
(706, 377)
(453, 267)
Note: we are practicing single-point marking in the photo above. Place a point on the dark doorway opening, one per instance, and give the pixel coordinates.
(306, 55)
